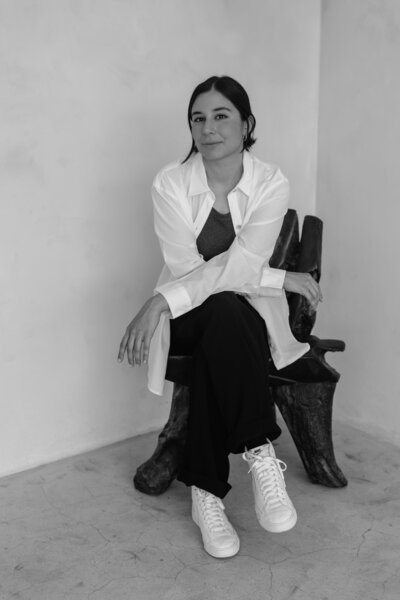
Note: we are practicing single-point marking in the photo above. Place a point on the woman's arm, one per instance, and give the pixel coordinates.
(243, 268)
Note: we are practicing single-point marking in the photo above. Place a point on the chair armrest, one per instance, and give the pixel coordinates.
(326, 345)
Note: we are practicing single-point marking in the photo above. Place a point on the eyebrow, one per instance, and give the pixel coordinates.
(198, 112)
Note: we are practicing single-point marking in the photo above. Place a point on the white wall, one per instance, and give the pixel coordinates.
(93, 101)
(358, 197)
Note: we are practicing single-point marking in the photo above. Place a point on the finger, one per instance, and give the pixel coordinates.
(315, 296)
(146, 349)
(319, 294)
(122, 347)
(310, 299)
(131, 342)
(319, 291)
(312, 284)
(309, 295)
(316, 299)
(314, 290)
(137, 349)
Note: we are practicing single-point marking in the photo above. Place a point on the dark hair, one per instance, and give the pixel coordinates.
(231, 89)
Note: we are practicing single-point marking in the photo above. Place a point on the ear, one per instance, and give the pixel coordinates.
(250, 123)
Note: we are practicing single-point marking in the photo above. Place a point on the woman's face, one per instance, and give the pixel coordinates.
(217, 127)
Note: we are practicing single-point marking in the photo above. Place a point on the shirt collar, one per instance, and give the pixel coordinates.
(245, 181)
(198, 179)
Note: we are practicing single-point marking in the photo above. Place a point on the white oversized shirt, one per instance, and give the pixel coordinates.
(182, 202)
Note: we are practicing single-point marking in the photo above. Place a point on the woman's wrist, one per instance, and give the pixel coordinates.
(286, 279)
(159, 303)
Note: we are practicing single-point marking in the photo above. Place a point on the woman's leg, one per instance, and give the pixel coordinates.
(230, 405)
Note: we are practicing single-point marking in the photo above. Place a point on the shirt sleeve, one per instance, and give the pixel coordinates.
(243, 268)
(174, 228)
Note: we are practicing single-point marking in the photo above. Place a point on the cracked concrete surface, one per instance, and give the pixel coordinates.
(78, 530)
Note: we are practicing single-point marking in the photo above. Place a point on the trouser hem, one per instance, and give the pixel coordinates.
(253, 436)
(214, 486)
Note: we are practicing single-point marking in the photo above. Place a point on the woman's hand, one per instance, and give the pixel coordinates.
(304, 284)
(138, 334)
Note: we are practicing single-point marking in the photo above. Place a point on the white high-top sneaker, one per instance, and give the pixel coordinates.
(274, 509)
(219, 537)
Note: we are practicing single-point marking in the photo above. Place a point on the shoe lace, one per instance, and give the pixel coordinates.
(269, 472)
(213, 512)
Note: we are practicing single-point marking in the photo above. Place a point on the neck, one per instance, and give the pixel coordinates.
(224, 173)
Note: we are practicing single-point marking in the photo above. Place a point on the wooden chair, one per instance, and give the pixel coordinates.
(303, 391)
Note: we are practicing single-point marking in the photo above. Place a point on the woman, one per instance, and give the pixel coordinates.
(217, 216)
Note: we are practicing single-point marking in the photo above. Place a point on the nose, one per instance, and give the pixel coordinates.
(208, 126)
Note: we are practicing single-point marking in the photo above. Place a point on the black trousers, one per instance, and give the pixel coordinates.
(230, 405)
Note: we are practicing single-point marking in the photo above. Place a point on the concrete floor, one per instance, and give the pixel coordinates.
(78, 530)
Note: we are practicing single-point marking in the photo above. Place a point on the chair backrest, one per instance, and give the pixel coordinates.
(302, 255)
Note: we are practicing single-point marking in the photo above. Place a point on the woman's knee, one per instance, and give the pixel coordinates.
(226, 306)
(223, 301)
(231, 323)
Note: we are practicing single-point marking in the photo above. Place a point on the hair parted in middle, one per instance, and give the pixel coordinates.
(233, 91)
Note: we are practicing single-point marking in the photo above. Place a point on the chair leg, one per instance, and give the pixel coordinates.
(307, 411)
(156, 474)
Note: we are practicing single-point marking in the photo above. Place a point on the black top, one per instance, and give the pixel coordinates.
(217, 234)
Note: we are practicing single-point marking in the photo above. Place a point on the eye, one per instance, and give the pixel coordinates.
(197, 119)
(220, 116)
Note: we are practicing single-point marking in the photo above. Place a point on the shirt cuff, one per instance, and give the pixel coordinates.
(272, 278)
(178, 299)
(270, 292)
